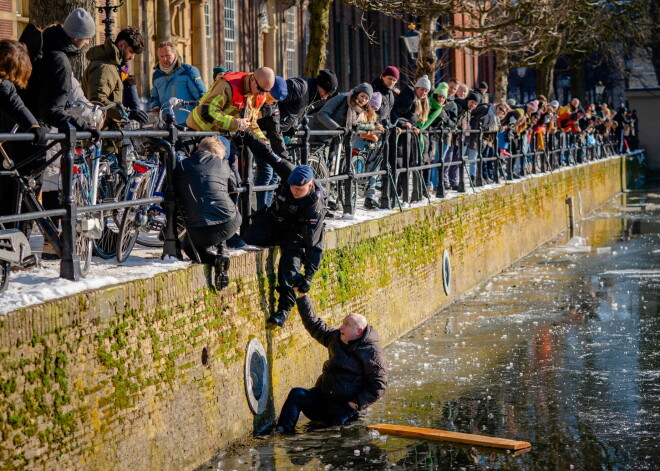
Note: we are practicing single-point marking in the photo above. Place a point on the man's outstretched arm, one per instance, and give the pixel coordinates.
(318, 329)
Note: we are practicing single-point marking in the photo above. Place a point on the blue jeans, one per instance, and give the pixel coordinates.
(315, 407)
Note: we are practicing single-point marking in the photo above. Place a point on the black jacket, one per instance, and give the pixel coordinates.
(202, 183)
(13, 110)
(49, 85)
(300, 220)
(354, 372)
(404, 107)
(385, 111)
(302, 94)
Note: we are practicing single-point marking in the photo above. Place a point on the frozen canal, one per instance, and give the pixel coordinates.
(561, 350)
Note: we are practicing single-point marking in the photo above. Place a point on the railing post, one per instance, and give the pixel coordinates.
(478, 177)
(70, 264)
(245, 170)
(304, 155)
(406, 165)
(388, 181)
(440, 190)
(171, 242)
(532, 144)
(348, 206)
(509, 160)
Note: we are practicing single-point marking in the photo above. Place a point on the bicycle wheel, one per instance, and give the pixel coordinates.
(320, 172)
(112, 186)
(4, 275)
(83, 244)
(133, 220)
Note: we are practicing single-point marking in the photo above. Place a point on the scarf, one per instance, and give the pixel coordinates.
(169, 70)
(353, 113)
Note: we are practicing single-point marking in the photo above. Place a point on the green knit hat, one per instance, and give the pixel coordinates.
(442, 89)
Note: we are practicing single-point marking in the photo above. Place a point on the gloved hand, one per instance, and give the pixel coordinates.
(303, 283)
(139, 116)
(39, 135)
(96, 134)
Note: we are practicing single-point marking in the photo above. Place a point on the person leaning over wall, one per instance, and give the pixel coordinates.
(203, 183)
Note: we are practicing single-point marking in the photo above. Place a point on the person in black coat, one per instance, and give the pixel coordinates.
(353, 377)
(202, 184)
(295, 222)
(385, 86)
(303, 95)
(15, 69)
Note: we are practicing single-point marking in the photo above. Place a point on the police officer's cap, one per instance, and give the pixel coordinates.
(301, 175)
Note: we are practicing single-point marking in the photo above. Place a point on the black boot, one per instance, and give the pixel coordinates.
(221, 272)
(278, 318)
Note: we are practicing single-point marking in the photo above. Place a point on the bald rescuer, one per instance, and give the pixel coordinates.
(353, 377)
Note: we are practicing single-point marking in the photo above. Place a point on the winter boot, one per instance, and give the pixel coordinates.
(278, 318)
(221, 272)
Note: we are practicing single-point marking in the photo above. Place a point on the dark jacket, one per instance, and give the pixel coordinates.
(203, 183)
(300, 220)
(404, 107)
(354, 372)
(302, 94)
(13, 110)
(385, 111)
(49, 85)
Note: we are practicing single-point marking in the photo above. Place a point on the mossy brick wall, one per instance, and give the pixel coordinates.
(114, 378)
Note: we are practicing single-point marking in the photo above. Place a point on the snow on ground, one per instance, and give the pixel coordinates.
(40, 284)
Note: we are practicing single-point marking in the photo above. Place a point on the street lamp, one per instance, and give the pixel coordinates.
(411, 40)
(108, 9)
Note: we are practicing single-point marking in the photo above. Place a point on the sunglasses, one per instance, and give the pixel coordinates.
(259, 86)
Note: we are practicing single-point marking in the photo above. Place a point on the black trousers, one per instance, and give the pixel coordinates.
(265, 232)
(205, 238)
(315, 407)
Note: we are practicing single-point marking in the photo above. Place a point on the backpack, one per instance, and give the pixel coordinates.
(491, 122)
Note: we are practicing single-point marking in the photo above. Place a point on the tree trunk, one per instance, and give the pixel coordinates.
(44, 13)
(576, 71)
(319, 24)
(502, 67)
(426, 54)
(545, 77)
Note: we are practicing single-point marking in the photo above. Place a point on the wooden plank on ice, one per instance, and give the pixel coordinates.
(467, 438)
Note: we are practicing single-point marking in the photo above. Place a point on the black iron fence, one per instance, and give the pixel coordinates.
(404, 161)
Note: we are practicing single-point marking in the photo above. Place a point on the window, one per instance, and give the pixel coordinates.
(230, 34)
(207, 19)
(290, 51)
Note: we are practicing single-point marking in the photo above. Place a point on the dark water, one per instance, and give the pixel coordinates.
(561, 350)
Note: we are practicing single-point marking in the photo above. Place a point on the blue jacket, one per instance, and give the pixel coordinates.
(184, 83)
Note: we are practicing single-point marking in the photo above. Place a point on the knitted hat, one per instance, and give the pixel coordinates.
(391, 71)
(376, 100)
(327, 80)
(364, 87)
(301, 175)
(511, 102)
(218, 69)
(79, 24)
(554, 104)
(533, 105)
(483, 85)
(442, 89)
(423, 82)
(279, 90)
(474, 96)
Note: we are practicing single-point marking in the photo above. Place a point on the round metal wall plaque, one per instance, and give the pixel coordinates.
(446, 273)
(256, 376)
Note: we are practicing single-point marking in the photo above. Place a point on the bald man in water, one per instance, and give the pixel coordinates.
(353, 377)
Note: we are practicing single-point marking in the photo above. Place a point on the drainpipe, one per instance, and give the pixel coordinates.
(199, 58)
(163, 22)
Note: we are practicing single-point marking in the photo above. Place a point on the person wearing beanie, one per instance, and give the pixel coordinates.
(294, 221)
(483, 91)
(385, 86)
(342, 111)
(79, 25)
(101, 80)
(532, 107)
(327, 81)
(412, 105)
(218, 72)
(424, 82)
(173, 78)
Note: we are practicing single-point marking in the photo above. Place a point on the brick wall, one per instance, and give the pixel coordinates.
(113, 378)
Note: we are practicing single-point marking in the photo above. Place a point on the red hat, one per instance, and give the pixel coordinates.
(391, 71)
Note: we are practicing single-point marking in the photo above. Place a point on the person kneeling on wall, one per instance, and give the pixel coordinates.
(203, 183)
(354, 376)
